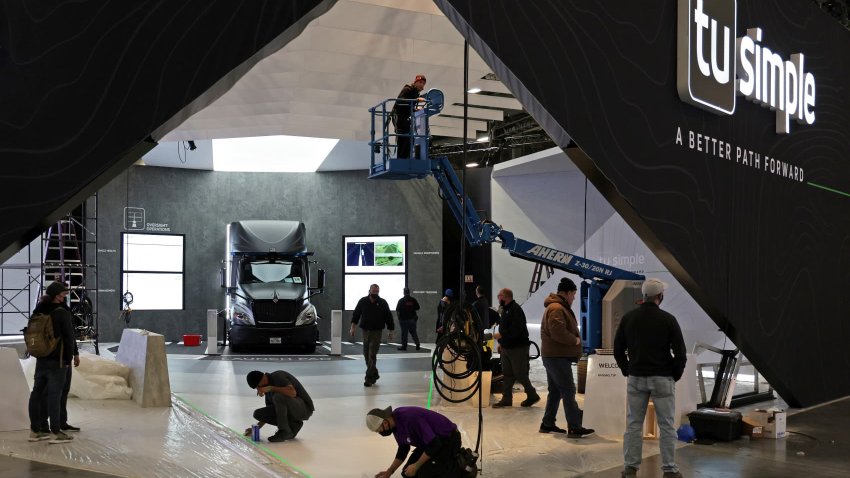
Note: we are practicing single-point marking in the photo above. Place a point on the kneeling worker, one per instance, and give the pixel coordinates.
(435, 437)
(287, 403)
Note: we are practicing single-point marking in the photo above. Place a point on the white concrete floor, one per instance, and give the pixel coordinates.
(333, 443)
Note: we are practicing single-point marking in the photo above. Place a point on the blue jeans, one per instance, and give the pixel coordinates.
(46, 396)
(662, 390)
(562, 388)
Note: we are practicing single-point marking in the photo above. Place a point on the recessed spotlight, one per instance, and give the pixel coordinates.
(474, 90)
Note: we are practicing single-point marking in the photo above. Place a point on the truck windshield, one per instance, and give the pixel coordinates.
(257, 272)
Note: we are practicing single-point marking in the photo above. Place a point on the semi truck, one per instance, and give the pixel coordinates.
(266, 277)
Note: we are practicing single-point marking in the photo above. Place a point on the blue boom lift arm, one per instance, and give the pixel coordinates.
(597, 277)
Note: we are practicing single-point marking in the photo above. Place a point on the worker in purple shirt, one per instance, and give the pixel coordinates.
(435, 438)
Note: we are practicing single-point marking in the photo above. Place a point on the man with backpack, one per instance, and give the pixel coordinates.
(50, 338)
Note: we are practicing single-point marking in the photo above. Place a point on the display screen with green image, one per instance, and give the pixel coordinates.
(389, 254)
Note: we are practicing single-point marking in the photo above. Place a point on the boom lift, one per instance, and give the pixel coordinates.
(597, 277)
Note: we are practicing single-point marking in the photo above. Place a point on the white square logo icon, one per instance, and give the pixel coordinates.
(706, 49)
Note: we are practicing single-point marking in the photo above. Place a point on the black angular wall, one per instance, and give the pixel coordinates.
(87, 86)
(766, 256)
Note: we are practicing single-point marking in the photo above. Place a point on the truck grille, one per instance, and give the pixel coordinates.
(270, 314)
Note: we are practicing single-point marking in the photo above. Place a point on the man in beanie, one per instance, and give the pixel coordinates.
(406, 309)
(288, 405)
(435, 438)
(52, 371)
(642, 347)
(513, 351)
(561, 348)
(402, 111)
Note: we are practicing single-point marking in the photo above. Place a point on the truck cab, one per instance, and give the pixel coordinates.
(266, 276)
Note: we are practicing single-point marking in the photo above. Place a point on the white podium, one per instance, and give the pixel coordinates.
(212, 332)
(605, 402)
(604, 396)
(336, 332)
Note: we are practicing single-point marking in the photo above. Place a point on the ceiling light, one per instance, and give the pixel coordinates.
(482, 138)
(273, 154)
(474, 90)
(472, 165)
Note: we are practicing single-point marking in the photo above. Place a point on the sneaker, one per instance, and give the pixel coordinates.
(501, 404)
(530, 400)
(69, 428)
(580, 432)
(628, 472)
(60, 437)
(672, 474)
(552, 429)
(418, 347)
(367, 384)
(279, 437)
(39, 436)
(402, 348)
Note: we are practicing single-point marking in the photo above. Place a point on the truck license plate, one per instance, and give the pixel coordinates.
(274, 340)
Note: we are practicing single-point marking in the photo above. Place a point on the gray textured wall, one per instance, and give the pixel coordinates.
(199, 204)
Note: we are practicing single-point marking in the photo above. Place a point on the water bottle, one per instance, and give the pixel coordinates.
(255, 432)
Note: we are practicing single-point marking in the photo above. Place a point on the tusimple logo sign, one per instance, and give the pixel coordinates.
(713, 69)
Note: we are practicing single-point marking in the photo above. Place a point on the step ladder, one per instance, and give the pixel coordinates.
(537, 277)
(66, 260)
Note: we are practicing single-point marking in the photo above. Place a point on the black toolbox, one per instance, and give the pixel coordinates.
(722, 425)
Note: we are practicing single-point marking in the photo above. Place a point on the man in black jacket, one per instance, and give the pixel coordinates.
(482, 308)
(406, 310)
(642, 347)
(50, 371)
(513, 350)
(372, 313)
(402, 110)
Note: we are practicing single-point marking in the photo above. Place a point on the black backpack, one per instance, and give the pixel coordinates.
(39, 336)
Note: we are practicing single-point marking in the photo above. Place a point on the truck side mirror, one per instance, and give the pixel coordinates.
(221, 279)
(321, 284)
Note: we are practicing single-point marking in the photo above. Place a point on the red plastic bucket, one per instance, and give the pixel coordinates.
(191, 340)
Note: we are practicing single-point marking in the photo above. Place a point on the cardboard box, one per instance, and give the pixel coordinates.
(772, 423)
(751, 428)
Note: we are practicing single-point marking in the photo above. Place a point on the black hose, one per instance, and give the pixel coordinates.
(461, 347)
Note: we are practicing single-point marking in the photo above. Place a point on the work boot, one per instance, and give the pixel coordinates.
(530, 400)
(628, 472)
(280, 436)
(552, 429)
(580, 432)
(672, 474)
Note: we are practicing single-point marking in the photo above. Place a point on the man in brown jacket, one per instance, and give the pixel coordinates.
(561, 347)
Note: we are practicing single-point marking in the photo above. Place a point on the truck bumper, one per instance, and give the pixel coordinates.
(248, 336)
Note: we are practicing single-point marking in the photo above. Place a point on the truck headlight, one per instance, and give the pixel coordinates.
(241, 314)
(307, 316)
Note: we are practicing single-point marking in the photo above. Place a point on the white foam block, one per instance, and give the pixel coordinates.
(14, 394)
